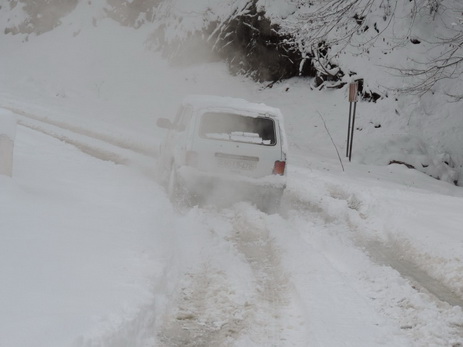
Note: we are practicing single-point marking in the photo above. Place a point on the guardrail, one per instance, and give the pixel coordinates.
(7, 136)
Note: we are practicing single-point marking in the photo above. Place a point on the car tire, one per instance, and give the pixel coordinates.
(177, 192)
(172, 185)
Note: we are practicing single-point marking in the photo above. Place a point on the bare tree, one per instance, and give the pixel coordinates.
(324, 29)
(446, 55)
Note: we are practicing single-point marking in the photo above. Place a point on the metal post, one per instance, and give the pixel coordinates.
(353, 97)
(348, 130)
(352, 132)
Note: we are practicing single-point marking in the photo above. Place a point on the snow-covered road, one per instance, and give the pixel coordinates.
(316, 274)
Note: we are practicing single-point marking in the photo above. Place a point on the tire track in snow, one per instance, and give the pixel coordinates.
(437, 315)
(389, 255)
(381, 253)
(83, 147)
(86, 132)
(252, 239)
(96, 145)
(205, 313)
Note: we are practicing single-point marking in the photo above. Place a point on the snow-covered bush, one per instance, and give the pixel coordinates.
(244, 37)
(36, 16)
(133, 13)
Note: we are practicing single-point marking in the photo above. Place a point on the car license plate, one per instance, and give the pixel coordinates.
(236, 162)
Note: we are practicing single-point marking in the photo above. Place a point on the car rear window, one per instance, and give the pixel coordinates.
(239, 128)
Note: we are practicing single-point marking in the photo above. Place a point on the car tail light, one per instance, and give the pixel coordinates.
(191, 158)
(279, 167)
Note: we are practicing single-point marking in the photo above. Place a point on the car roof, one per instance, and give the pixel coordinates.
(234, 105)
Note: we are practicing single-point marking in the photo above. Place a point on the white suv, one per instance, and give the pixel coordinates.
(222, 149)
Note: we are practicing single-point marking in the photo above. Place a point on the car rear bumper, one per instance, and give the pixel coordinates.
(220, 188)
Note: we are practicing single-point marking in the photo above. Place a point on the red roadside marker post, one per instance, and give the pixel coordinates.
(353, 98)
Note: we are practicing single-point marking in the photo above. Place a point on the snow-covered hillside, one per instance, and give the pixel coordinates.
(374, 41)
(92, 253)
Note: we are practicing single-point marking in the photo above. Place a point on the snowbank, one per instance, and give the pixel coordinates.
(7, 135)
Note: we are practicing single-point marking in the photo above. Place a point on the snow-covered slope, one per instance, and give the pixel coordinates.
(425, 132)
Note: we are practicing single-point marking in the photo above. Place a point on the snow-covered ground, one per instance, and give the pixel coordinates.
(92, 253)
